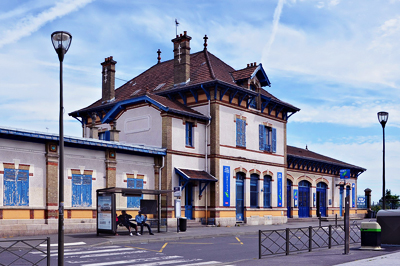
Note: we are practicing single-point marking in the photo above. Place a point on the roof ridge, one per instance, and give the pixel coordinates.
(209, 64)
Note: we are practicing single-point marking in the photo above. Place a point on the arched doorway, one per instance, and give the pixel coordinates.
(304, 199)
(289, 185)
(254, 191)
(321, 196)
(267, 191)
(240, 177)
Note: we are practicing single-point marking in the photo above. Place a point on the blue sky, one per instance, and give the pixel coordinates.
(338, 61)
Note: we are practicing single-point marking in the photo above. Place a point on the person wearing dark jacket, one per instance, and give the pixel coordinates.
(124, 219)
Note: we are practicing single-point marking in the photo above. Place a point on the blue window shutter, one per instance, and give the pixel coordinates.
(23, 181)
(243, 133)
(238, 135)
(240, 132)
(9, 187)
(187, 134)
(87, 191)
(130, 184)
(273, 139)
(76, 190)
(261, 134)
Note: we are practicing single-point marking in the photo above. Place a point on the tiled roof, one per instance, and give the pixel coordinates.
(243, 73)
(204, 67)
(197, 175)
(307, 154)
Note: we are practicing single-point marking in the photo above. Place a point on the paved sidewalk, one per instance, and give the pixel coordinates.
(388, 256)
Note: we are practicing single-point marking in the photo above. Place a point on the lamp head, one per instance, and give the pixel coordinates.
(383, 118)
(61, 41)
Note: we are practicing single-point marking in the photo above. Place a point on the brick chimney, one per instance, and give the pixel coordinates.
(108, 79)
(181, 58)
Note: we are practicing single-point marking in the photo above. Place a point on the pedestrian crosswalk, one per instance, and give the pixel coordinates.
(123, 255)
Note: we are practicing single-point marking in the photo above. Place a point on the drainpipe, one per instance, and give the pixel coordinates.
(159, 174)
(206, 152)
(159, 195)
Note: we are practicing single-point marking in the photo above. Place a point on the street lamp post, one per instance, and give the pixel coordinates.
(61, 41)
(383, 118)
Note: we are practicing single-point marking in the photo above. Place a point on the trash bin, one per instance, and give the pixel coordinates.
(182, 224)
(389, 221)
(370, 235)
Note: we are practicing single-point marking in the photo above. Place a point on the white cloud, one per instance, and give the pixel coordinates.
(334, 2)
(30, 24)
(275, 25)
(364, 115)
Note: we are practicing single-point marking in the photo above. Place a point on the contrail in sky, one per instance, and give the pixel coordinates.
(31, 24)
(275, 23)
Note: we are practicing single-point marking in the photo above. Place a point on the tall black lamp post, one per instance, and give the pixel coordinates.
(383, 118)
(61, 41)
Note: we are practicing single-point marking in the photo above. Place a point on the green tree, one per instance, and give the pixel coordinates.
(392, 201)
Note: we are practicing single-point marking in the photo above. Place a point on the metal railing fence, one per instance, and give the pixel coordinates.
(289, 240)
(25, 252)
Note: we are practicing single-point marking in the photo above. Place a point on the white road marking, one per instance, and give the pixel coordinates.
(65, 244)
(205, 263)
(113, 254)
(132, 261)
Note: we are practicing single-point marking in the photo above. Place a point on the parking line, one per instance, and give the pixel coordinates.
(241, 243)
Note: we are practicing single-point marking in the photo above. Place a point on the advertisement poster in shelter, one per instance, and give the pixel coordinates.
(104, 207)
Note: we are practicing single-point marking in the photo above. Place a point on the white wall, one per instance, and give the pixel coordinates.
(252, 151)
(33, 154)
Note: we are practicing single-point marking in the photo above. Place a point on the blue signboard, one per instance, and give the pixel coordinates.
(295, 197)
(345, 174)
(353, 194)
(361, 203)
(227, 188)
(279, 189)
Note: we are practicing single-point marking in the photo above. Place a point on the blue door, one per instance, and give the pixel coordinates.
(321, 191)
(304, 199)
(188, 201)
(240, 196)
(289, 197)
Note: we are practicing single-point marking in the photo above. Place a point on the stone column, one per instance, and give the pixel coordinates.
(111, 168)
(368, 198)
(51, 210)
(214, 160)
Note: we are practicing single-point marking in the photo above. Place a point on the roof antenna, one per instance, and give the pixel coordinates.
(176, 26)
(159, 56)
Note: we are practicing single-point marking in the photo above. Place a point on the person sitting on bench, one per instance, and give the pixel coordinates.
(141, 220)
(124, 220)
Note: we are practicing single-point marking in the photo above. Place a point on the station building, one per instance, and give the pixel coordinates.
(192, 122)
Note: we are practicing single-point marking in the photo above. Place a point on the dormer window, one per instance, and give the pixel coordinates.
(253, 103)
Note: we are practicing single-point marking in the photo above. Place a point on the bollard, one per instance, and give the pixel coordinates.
(48, 251)
(319, 218)
(336, 220)
(309, 238)
(330, 237)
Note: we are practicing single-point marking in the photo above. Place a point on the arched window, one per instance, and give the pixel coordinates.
(253, 190)
(267, 191)
(304, 183)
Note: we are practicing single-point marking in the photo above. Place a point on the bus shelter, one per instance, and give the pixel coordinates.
(149, 201)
